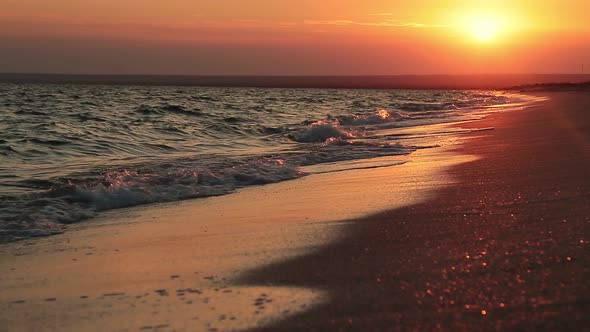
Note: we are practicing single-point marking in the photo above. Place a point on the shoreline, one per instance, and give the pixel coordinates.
(209, 156)
(127, 269)
(503, 248)
(292, 255)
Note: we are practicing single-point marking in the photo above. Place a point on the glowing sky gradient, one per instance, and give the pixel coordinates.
(293, 37)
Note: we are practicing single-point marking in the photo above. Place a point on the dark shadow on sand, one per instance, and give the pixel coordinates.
(505, 248)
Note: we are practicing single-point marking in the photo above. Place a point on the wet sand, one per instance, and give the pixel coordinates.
(507, 247)
(176, 266)
(498, 241)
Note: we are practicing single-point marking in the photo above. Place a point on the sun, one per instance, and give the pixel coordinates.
(484, 27)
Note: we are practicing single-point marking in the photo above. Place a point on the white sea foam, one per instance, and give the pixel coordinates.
(321, 131)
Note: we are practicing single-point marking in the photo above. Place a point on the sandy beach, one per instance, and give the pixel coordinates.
(179, 266)
(503, 248)
(489, 231)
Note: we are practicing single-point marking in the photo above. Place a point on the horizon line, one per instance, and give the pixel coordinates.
(296, 75)
(423, 82)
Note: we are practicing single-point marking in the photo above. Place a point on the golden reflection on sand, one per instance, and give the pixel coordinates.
(174, 265)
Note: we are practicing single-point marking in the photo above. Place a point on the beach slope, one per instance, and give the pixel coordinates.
(506, 247)
(177, 266)
(497, 241)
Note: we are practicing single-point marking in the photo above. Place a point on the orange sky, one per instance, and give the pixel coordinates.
(295, 37)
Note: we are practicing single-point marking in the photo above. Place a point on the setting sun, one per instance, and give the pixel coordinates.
(484, 27)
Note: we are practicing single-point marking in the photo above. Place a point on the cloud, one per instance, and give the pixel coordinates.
(261, 23)
(330, 22)
(386, 23)
(248, 21)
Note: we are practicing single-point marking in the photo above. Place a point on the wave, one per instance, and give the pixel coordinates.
(7, 150)
(50, 142)
(72, 200)
(465, 100)
(78, 197)
(104, 148)
(428, 106)
(163, 109)
(345, 126)
(321, 131)
(379, 117)
(234, 119)
(271, 130)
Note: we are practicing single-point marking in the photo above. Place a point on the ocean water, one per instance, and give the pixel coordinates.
(68, 152)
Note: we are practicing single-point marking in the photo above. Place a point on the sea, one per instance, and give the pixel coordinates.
(70, 152)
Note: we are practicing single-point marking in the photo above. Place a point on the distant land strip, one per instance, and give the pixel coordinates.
(485, 81)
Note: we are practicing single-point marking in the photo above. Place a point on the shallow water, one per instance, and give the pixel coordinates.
(68, 152)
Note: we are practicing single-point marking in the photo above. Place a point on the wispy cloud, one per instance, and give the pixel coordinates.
(248, 21)
(386, 23)
(330, 22)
